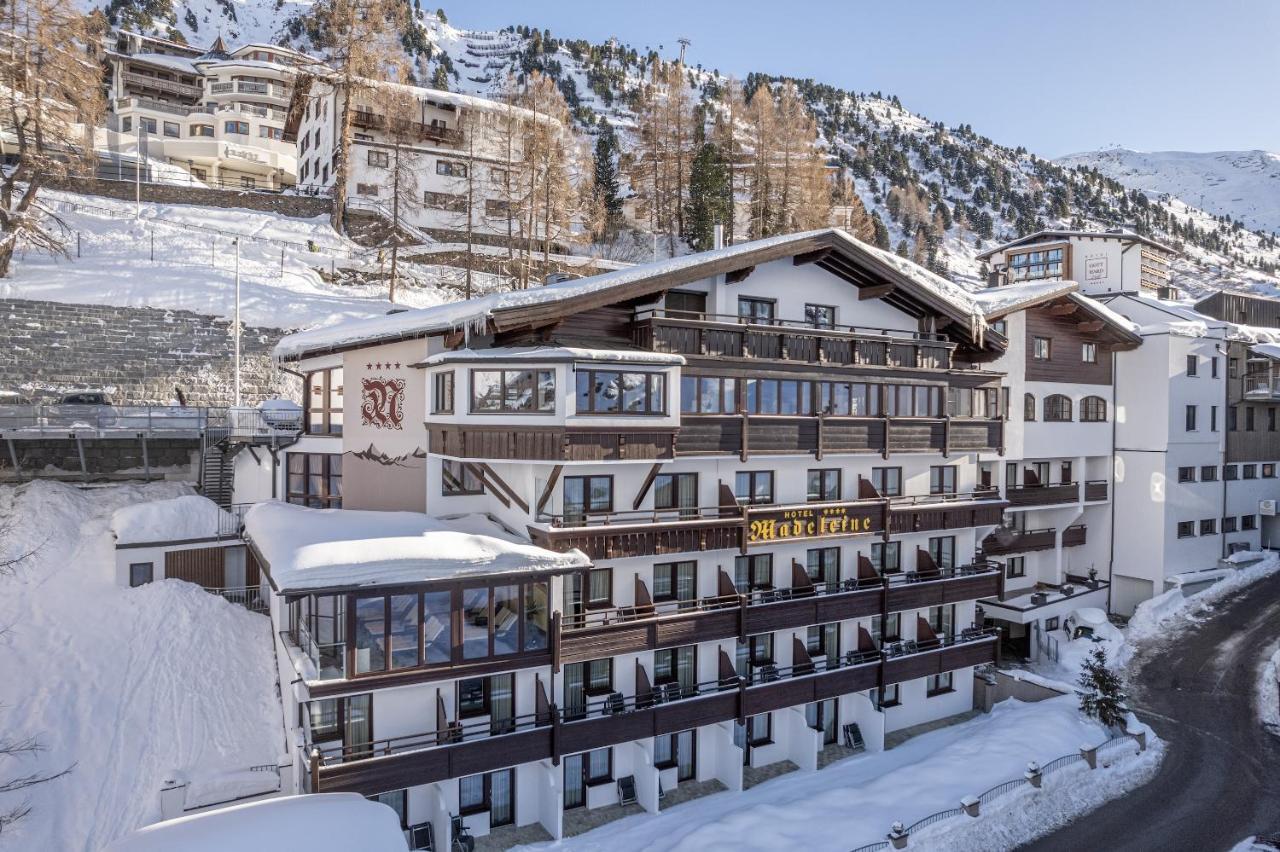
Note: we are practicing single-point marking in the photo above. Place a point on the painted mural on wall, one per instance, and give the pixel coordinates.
(382, 402)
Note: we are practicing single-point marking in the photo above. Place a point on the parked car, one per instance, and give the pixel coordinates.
(82, 409)
(1089, 622)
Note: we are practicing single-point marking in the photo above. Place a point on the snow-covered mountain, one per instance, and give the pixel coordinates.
(1244, 185)
(946, 193)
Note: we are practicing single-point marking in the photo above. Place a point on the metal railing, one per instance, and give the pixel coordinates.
(329, 659)
(892, 334)
(163, 420)
(934, 818)
(249, 597)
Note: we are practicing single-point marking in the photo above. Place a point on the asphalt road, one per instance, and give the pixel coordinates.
(1219, 781)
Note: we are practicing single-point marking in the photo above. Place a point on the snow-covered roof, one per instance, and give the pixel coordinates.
(320, 822)
(475, 313)
(997, 302)
(556, 353)
(178, 519)
(326, 548)
(1052, 234)
(1159, 316)
(164, 60)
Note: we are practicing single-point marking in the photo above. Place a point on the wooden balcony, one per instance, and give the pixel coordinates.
(1028, 541)
(1042, 495)
(650, 627)
(727, 336)
(1095, 490)
(366, 120)
(760, 434)
(453, 751)
(553, 443)
(658, 532)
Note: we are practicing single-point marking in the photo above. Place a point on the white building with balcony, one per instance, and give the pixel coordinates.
(218, 116)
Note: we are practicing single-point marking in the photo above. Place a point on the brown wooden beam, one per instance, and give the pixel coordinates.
(810, 256)
(478, 473)
(879, 292)
(549, 487)
(1063, 309)
(644, 487)
(738, 275)
(511, 492)
(1090, 327)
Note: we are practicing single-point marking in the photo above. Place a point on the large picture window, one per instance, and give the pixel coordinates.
(513, 391)
(613, 392)
(1031, 265)
(849, 399)
(315, 480)
(779, 396)
(324, 402)
(707, 395)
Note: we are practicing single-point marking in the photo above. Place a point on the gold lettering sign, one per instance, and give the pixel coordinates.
(816, 522)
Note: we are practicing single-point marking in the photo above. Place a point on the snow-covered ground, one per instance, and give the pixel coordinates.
(194, 266)
(131, 687)
(855, 801)
(1269, 693)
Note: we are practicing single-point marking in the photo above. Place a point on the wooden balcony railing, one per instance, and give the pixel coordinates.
(727, 336)
(1095, 490)
(763, 434)
(452, 750)
(1042, 495)
(366, 120)
(553, 443)
(655, 532)
(1027, 541)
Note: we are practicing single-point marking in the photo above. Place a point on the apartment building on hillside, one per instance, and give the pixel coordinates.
(1101, 262)
(643, 536)
(216, 114)
(457, 159)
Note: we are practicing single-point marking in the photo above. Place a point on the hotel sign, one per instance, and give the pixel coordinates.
(814, 522)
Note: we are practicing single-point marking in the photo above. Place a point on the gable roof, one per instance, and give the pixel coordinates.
(1054, 234)
(906, 286)
(999, 302)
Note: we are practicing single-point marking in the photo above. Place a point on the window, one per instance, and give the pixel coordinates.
(315, 480)
(1248, 522)
(676, 491)
(497, 208)
(1229, 525)
(754, 487)
(1209, 473)
(677, 666)
(1213, 367)
(140, 573)
(126, 125)
(685, 303)
(753, 572)
(442, 393)
(1089, 353)
(1249, 471)
(886, 556)
(889, 631)
(1040, 348)
(379, 159)
(824, 485)
(1186, 474)
(448, 201)
(1051, 624)
(1229, 472)
(513, 391)
(240, 128)
(368, 190)
(1093, 409)
(149, 125)
(1213, 418)
(324, 402)
(1191, 418)
(707, 395)
(756, 310)
(1014, 567)
(888, 697)
(912, 401)
(760, 729)
(1028, 407)
(1186, 529)
(599, 588)
(497, 177)
(820, 316)
(678, 751)
(676, 581)
(397, 801)
(1271, 419)
(943, 551)
(600, 766)
(1027, 266)
(774, 396)
(1193, 365)
(822, 564)
(1209, 526)
(200, 130)
(612, 392)
(473, 697)
(584, 495)
(1001, 327)
(449, 168)
(823, 641)
(172, 129)
(1057, 408)
(942, 479)
(1268, 471)
(1232, 420)
(592, 678)
(265, 132)
(887, 481)
(1248, 418)
(938, 684)
(458, 478)
(849, 398)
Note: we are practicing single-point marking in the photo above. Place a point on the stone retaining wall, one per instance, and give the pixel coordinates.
(298, 206)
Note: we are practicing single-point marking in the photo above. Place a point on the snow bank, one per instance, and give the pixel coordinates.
(132, 686)
(324, 822)
(1154, 616)
(176, 519)
(1269, 693)
(854, 801)
(317, 548)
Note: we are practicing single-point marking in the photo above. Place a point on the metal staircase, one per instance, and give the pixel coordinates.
(217, 472)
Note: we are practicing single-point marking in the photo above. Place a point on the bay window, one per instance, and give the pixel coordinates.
(614, 392)
(513, 391)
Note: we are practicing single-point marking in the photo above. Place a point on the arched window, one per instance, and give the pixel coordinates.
(1057, 408)
(1093, 409)
(1028, 407)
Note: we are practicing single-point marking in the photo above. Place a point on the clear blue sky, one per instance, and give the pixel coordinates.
(1057, 77)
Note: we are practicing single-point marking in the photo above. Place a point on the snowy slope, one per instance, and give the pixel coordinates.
(128, 685)
(1244, 185)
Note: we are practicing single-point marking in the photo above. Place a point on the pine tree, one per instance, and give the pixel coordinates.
(606, 175)
(709, 199)
(1103, 697)
(440, 79)
(881, 231)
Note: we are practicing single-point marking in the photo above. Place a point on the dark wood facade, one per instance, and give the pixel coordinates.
(747, 435)
(1028, 541)
(1068, 327)
(552, 443)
